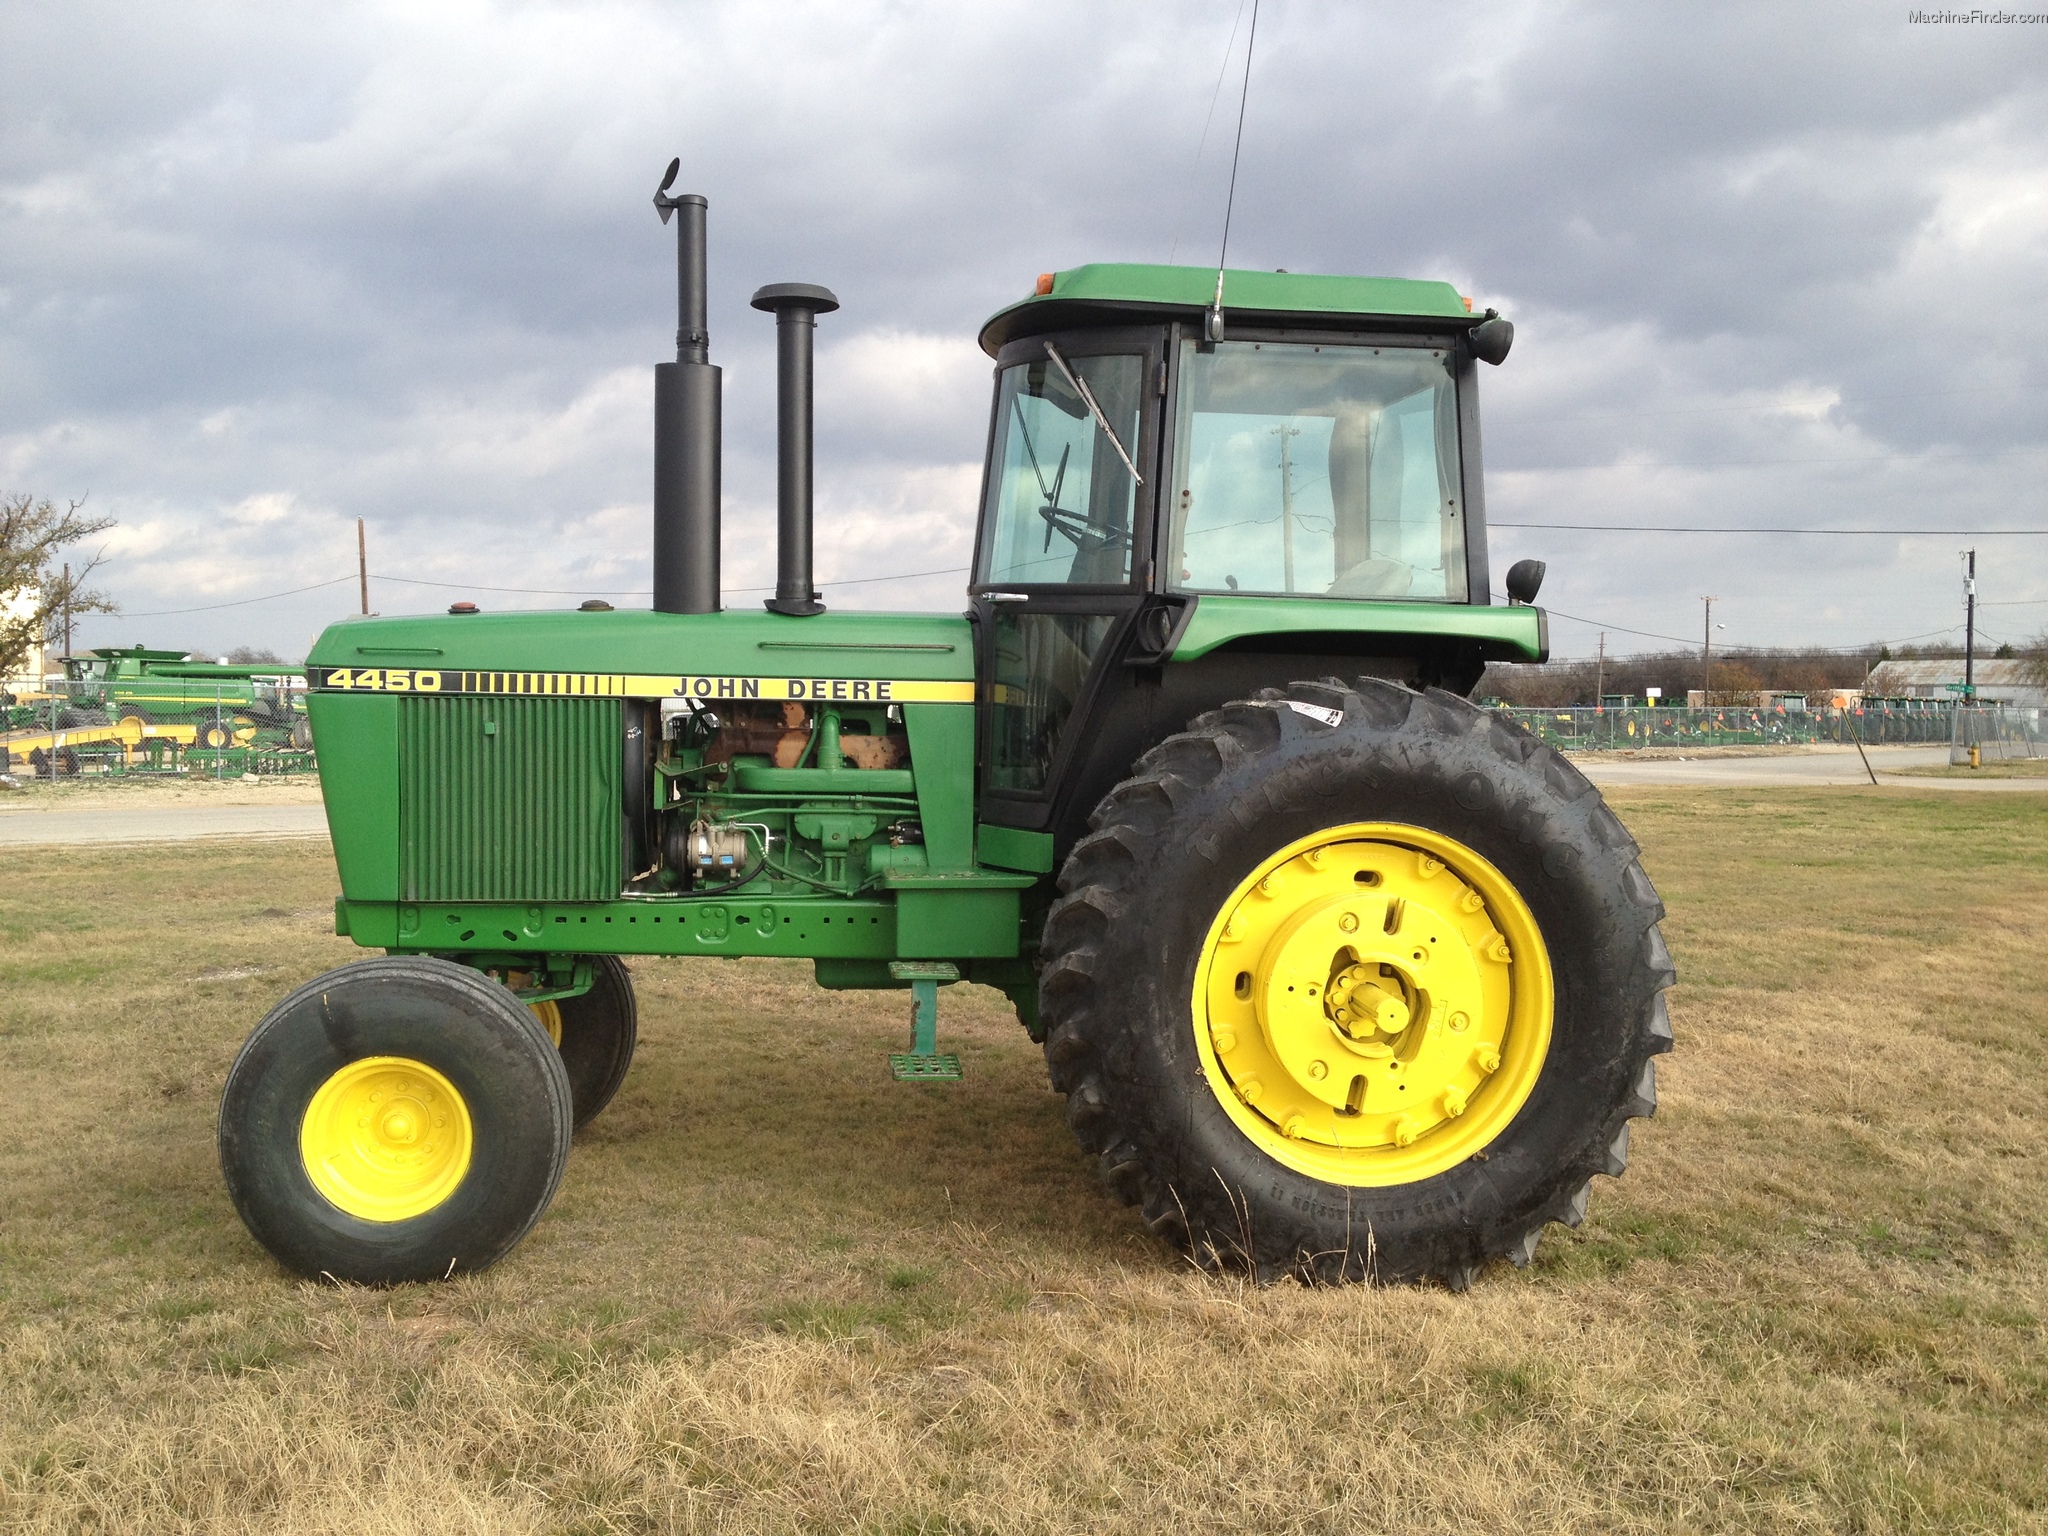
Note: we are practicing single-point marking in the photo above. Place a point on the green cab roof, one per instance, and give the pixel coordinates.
(1141, 289)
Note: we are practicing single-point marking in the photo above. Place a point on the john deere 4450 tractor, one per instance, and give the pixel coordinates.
(1339, 974)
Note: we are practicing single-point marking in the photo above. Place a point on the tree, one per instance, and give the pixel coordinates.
(35, 590)
(2036, 653)
(249, 655)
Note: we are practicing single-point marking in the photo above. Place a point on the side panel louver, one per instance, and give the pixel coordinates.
(508, 799)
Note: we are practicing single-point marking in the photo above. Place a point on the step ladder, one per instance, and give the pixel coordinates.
(923, 1063)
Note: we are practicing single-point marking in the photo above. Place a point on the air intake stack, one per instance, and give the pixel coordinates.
(796, 307)
(686, 429)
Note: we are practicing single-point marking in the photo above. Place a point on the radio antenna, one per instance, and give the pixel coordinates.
(1215, 328)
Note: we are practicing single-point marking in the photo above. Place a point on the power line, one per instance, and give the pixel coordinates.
(1686, 641)
(1203, 142)
(1885, 458)
(470, 586)
(240, 602)
(1875, 533)
(1722, 410)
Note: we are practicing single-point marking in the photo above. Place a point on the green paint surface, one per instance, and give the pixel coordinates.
(358, 738)
(1514, 631)
(1009, 848)
(942, 756)
(1190, 289)
(737, 643)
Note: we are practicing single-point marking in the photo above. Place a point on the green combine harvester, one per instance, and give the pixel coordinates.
(227, 704)
(1339, 974)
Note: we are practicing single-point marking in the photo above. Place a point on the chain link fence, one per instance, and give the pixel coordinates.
(1996, 734)
(155, 725)
(1626, 727)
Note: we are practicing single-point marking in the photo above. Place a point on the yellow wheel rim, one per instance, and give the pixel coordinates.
(550, 1016)
(386, 1138)
(1373, 1004)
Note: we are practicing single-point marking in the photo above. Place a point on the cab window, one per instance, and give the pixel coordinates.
(1317, 471)
(1061, 497)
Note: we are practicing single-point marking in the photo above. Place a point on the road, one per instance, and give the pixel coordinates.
(1809, 767)
(160, 823)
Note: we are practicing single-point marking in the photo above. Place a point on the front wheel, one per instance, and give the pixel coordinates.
(596, 1032)
(1355, 982)
(397, 1119)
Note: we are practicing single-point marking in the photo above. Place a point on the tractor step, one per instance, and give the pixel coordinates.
(923, 1063)
(909, 1068)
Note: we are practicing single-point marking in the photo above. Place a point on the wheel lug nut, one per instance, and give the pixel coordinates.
(1319, 1070)
(1486, 1059)
(1225, 1041)
(1295, 1126)
(1404, 1131)
(1460, 1021)
(1348, 922)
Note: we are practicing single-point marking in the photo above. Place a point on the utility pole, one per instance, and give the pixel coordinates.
(1600, 673)
(67, 607)
(1707, 653)
(1287, 504)
(1970, 625)
(363, 564)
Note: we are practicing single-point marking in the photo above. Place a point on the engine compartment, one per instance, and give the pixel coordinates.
(765, 797)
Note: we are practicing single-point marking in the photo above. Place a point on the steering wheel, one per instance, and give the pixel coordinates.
(1083, 533)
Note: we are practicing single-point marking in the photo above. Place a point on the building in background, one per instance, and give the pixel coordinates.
(1998, 682)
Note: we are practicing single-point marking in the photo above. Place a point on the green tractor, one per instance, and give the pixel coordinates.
(1340, 975)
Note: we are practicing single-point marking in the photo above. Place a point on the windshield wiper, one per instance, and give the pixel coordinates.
(1081, 388)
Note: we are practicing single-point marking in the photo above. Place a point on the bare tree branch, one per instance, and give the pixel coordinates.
(35, 592)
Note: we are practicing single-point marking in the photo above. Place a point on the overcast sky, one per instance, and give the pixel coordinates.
(267, 269)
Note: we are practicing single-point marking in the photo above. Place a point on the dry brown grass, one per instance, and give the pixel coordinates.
(2007, 768)
(781, 1293)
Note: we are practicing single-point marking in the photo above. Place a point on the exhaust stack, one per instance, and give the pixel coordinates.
(796, 307)
(686, 429)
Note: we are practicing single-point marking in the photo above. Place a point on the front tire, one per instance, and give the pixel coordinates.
(397, 1119)
(1355, 983)
(596, 1032)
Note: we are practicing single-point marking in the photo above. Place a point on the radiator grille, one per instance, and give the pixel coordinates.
(508, 799)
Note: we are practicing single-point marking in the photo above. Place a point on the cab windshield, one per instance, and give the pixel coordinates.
(1060, 493)
(1317, 470)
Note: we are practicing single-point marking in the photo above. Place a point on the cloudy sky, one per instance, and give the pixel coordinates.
(267, 269)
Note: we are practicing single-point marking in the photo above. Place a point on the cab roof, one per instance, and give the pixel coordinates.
(1100, 290)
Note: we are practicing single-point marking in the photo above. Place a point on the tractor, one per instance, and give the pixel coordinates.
(1340, 975)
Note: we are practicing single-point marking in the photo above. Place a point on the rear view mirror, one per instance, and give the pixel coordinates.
(1492, 337)
(1525, 580)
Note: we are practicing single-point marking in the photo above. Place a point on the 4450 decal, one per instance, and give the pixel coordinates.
(627, 685)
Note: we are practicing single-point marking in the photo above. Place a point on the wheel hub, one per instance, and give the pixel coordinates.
(386, 1138)
(1361, 1001)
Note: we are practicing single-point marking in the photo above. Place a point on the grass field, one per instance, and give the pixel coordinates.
(779, 1293)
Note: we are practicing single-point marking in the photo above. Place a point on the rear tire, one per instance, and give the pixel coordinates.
(397, 1119)
(1201, 1094)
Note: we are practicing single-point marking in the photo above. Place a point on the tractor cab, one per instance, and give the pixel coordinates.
(1303, 462)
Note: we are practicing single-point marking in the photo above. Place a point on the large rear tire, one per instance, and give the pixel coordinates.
(397, 1119)
(1354, 982)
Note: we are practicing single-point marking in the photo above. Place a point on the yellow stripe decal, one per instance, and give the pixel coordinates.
(612, 685)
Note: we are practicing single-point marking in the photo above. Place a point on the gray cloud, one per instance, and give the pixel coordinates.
(264, 272)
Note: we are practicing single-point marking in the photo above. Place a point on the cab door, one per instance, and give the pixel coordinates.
(1064, 551)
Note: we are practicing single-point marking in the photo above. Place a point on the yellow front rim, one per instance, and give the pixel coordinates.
(550, 1015)
(1373, 1004)
(386, 1138)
